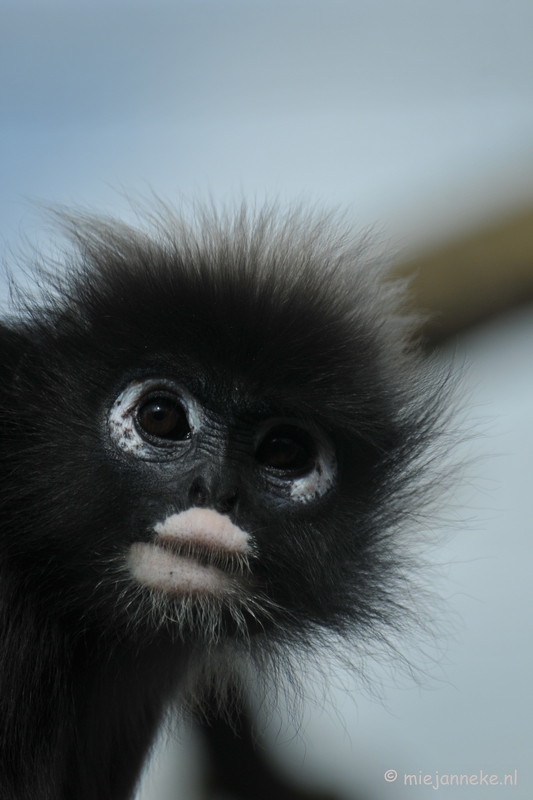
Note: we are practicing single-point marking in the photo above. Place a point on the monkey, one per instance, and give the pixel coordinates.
(215, 429)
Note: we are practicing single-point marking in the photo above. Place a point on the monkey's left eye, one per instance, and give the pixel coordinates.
(287, 447)
(165, 418)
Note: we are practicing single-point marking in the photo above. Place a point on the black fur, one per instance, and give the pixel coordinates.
(258, 315)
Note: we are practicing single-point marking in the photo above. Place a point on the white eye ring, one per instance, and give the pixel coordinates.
(122, 426)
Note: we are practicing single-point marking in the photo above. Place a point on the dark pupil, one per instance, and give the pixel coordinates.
(288, 448)
(165, 418)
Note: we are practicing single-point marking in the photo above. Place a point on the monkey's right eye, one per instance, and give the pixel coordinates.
(164, 418)
(151, 419)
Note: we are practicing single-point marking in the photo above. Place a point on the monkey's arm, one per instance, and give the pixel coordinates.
(37, 722)
(76, 721)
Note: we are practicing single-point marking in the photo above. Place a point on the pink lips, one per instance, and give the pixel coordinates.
(162, 567)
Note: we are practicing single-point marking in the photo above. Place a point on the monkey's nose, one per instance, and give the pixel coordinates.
(223, 499)
(227, 502)
(198, 493)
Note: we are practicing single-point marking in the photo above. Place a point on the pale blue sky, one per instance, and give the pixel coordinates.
(415, 115)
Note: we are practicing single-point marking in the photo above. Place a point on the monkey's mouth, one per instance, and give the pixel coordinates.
(226, 561)
(198, 551)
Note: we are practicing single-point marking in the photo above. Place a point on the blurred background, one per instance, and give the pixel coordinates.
(414, 118)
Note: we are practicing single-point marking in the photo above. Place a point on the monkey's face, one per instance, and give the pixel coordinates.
(218, 488)
(209, 483)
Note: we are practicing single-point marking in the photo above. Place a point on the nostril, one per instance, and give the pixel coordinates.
(198, 494)
(228, 501)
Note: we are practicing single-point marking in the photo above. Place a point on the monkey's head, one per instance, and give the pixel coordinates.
(214, 430)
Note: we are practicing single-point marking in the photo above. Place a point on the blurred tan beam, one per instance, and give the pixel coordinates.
(468, 280)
